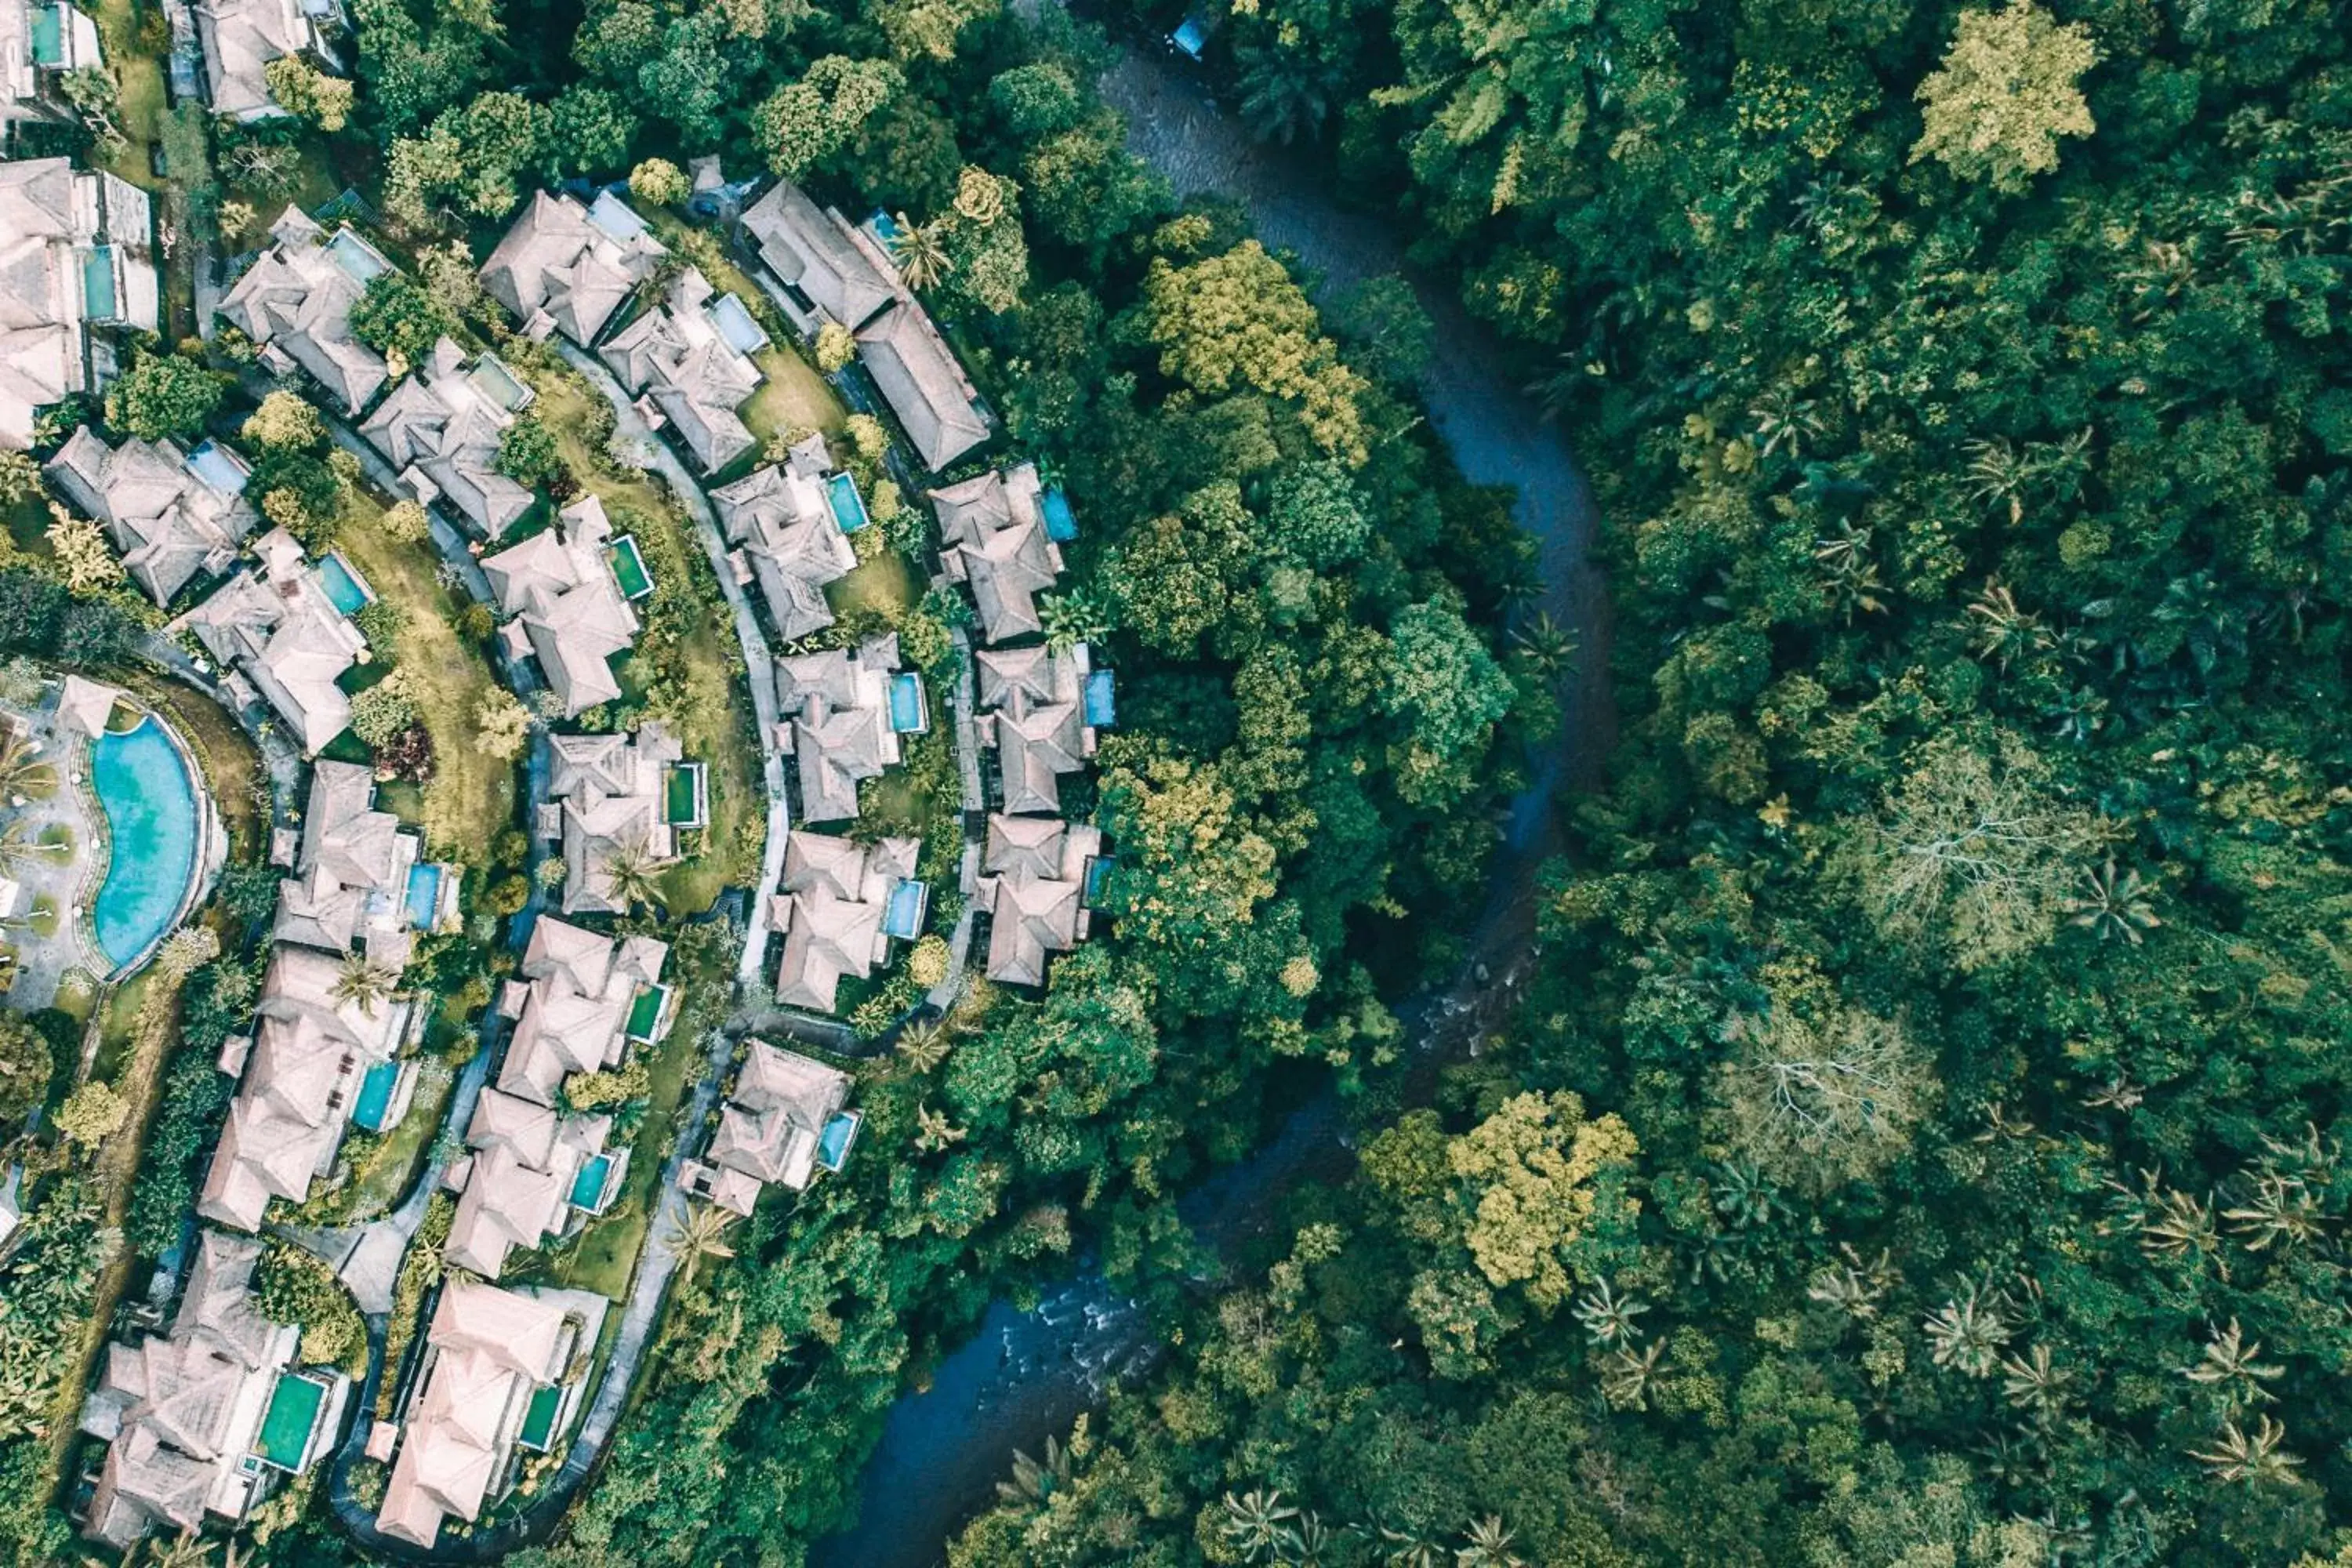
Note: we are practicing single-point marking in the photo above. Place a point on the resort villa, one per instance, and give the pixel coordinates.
(994, 539)
(583, 1001)
(566, 269)
(786, 523)
(1033, 715)
(831, 271)
(840, 905)
(615, 797)
(74, 255)
(844, 710)
(1036, 876)
(687, 360)
(534, 1177)
(171, 514)
(536, 1173)
(440, 430)
(206, 1418)
(570, 611)
(502, 1376)
(287, 637)
(360, 881)
(322, 1055)
(784, 1120)
(41, 40)
(241, 37)
(295, 303)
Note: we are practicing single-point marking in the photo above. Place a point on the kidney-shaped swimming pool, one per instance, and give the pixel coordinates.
(153, 825)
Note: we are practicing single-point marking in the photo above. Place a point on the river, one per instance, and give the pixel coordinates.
(1024, 1376)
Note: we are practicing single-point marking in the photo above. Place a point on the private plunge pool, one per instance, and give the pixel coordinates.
(154, 828)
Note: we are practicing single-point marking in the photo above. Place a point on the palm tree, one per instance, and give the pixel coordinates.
(1608, 1318)
(924, 1045)
(20, 478)
(1035, 1481)
(703, 1235)
(1409, 1549)
(2236, 1368)
(364, 983)
(2114, 905)
(1257, 1524)
(629, 869)
(2241, 1456)
(1545, 644)
(921, 253)
(20, 845)
(1489, 1547)
(1785, 420)
(187, 1551)
(1997, 476)
(22, 770)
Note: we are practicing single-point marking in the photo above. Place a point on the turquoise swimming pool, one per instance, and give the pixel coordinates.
(849, 505)
(375, 1095)
(153, 824)
(343, 586)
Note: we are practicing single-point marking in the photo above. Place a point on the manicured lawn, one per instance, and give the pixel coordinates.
(704, 699)
(470, 796)
(139, 76)
(794, 394)
(383, 1178)
(886, 584)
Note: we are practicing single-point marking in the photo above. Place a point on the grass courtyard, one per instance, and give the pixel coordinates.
(470, 796)
(688, 664)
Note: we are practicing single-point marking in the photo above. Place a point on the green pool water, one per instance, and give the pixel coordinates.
(152, 824)
(293, 1412)
(629, 568)
(538, 1421)
(645, 1012)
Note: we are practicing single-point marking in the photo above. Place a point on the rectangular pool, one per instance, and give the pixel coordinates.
(97, 301)
(1101, 708)
(222, 470)
(375, 1096)
(588, 1187)
(909, 714)
(1061, 527)
(629, 568)
(684, 802)
(423, 895)
(345, 589)
(539, 1420)
(285, 1435)
(615, 217)
(645, 1013)
(48, 38)
(1097, 879)
(849, 505)
(902, 914)
(361, 261)
(735, 324)
(833, 1144)
(494, 381)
